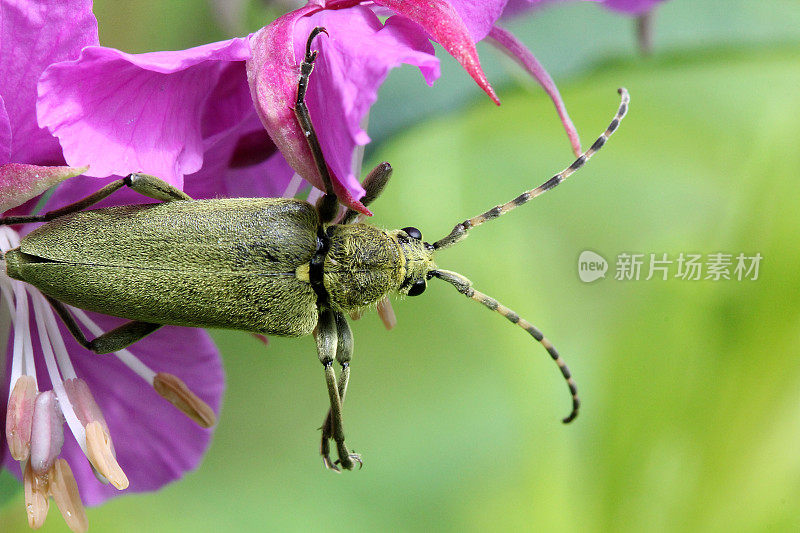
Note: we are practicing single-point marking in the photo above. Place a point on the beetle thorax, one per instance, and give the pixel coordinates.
(364, 264)
(361, 267)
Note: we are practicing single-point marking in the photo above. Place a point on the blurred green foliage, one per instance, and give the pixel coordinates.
(691, 390)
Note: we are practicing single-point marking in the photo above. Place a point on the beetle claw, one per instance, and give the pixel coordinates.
(330, 465)
(349, 461)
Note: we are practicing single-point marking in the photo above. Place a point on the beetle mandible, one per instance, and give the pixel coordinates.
(273, 266)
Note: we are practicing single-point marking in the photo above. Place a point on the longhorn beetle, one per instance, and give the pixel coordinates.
(274, 266)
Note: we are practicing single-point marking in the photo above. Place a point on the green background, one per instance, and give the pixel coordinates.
(691, 390)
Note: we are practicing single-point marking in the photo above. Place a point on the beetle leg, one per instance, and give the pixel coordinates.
(144, 184)
(110, 341)
(327, 341)
(154, 187)
(328, 205)
(344, 351)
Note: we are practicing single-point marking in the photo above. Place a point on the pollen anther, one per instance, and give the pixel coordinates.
(37, 504)
(64, 491)
(175, 391)
(101, 455)
(19, 418)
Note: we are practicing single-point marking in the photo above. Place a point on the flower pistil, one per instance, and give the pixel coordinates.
(35, 418)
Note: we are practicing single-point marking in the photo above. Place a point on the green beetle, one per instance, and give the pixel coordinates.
(273, 266)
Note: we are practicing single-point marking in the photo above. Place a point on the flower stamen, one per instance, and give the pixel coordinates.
(37, 503)
(293, 187)
(14, 293)
(386, 313)
(101, 454)
(175, 391)
(99, 446)
(170, 387)
(19, 418)
(64, 491)
(47, 432)
(41, 308)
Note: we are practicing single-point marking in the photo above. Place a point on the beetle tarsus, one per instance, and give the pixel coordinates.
(330, 465)
(311, 55)
(325, 446)
(346, 459)
(349, 461)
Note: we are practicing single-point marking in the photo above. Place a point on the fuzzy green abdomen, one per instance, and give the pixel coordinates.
(234, 267)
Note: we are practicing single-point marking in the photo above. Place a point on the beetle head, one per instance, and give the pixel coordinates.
(419, 260)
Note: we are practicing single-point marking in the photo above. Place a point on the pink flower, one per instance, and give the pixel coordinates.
(354, 59)
(47, 378)
(197, 112)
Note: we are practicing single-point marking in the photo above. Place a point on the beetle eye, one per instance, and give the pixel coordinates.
(417, 288)
(414, 233)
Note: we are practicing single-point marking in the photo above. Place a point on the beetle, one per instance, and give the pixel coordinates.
(272, 266)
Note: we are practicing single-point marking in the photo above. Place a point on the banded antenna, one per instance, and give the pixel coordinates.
(464, 285)
(461, 230)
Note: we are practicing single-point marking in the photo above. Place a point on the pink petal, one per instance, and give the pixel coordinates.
(19, 183)
(353, 60)
(266, 173)
(123, 113)
(519, 52)
(5, 134)
(34, 34)
(445, 25)
(272, 75)
(266, 179)
(479, 17)
(228, 106)
(245, 163)
(250, 148)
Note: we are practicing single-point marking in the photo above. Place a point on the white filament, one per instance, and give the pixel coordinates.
(62, 355)
(39, 305)
(127, 358)
(314, 195)
(17, 300)
(293, 186)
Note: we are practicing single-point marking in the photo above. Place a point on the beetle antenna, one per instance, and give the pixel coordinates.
(460, 231)
(464, 286)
